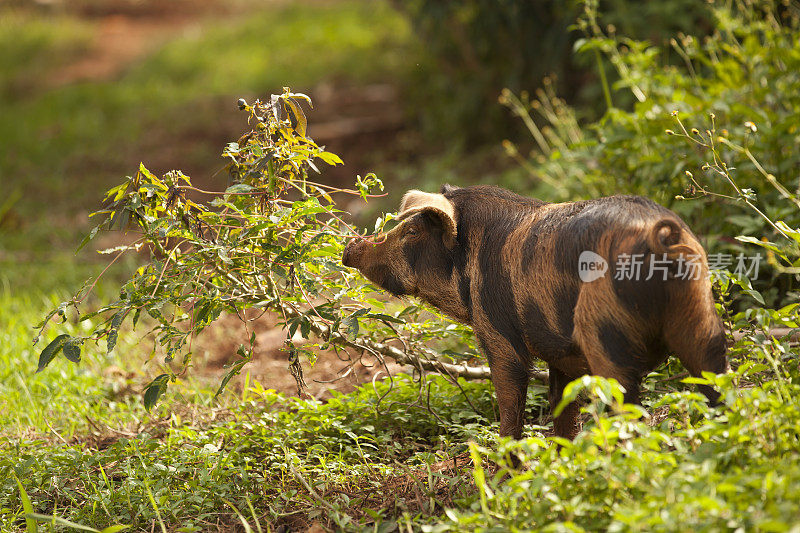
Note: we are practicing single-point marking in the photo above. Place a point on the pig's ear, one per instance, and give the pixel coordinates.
(436, 204)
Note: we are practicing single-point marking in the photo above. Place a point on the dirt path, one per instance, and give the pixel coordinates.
(128, 30)
(120, 40)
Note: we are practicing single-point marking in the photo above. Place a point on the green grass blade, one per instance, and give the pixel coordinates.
(61, 521)
(30, 523)
(246, 525)
(114, 529)
(155, 507)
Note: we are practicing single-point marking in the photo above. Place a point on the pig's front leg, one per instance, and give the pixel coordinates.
(510, 377)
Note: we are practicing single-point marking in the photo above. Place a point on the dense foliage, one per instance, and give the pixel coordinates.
(745, 74)
(737, 92)
(355, 461)
(478, 47)
(684, 468)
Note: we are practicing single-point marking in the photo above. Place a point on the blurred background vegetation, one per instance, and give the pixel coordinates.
(563, 100)
(90, 87)
(412, 90)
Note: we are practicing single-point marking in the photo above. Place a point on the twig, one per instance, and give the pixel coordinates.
(401, 357)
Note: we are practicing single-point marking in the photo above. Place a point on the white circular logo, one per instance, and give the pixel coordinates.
(591, 266)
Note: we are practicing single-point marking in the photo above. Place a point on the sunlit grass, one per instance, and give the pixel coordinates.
(68, 399)
(34, 43)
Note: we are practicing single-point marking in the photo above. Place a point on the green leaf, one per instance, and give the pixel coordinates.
(305, 327)
(293, 325)
(114, 529)
(239, 188)
(154, 390)
(352, 327)
(383, 316)
(791, 232)
(696, 381)
(113, 334)
(352, 323)
(72, 350)
(756, 295)
(58, 310)
(764, 244)
(88, 316)
(330, 158)
(63, 522)
(51, 350)
(88, 238)
(111, 340)
(235, 369)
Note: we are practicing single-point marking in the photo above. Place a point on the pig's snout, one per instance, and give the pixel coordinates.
(352, 253)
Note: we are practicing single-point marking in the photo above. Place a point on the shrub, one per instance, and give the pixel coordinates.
(745, 73)
(686, 468)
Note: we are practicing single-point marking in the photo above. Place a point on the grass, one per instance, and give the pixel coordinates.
(32, 45)
(64, 401)
(85, 450)
(87, 454)
(293, 461)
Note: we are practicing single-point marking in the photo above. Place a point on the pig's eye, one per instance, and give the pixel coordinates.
(411, 232)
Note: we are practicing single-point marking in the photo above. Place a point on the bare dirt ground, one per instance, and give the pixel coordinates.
(340, 372)
(127, 31)
(350, 121)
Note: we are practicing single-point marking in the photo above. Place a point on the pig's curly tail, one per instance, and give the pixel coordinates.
(667, 237)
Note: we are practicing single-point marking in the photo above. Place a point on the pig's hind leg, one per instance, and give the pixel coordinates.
(694, 332)
(611, 354)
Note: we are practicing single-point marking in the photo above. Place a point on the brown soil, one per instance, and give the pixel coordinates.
(341, 372)
(126, 31)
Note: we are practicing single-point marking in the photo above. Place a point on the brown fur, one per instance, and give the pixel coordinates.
(508, 266)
